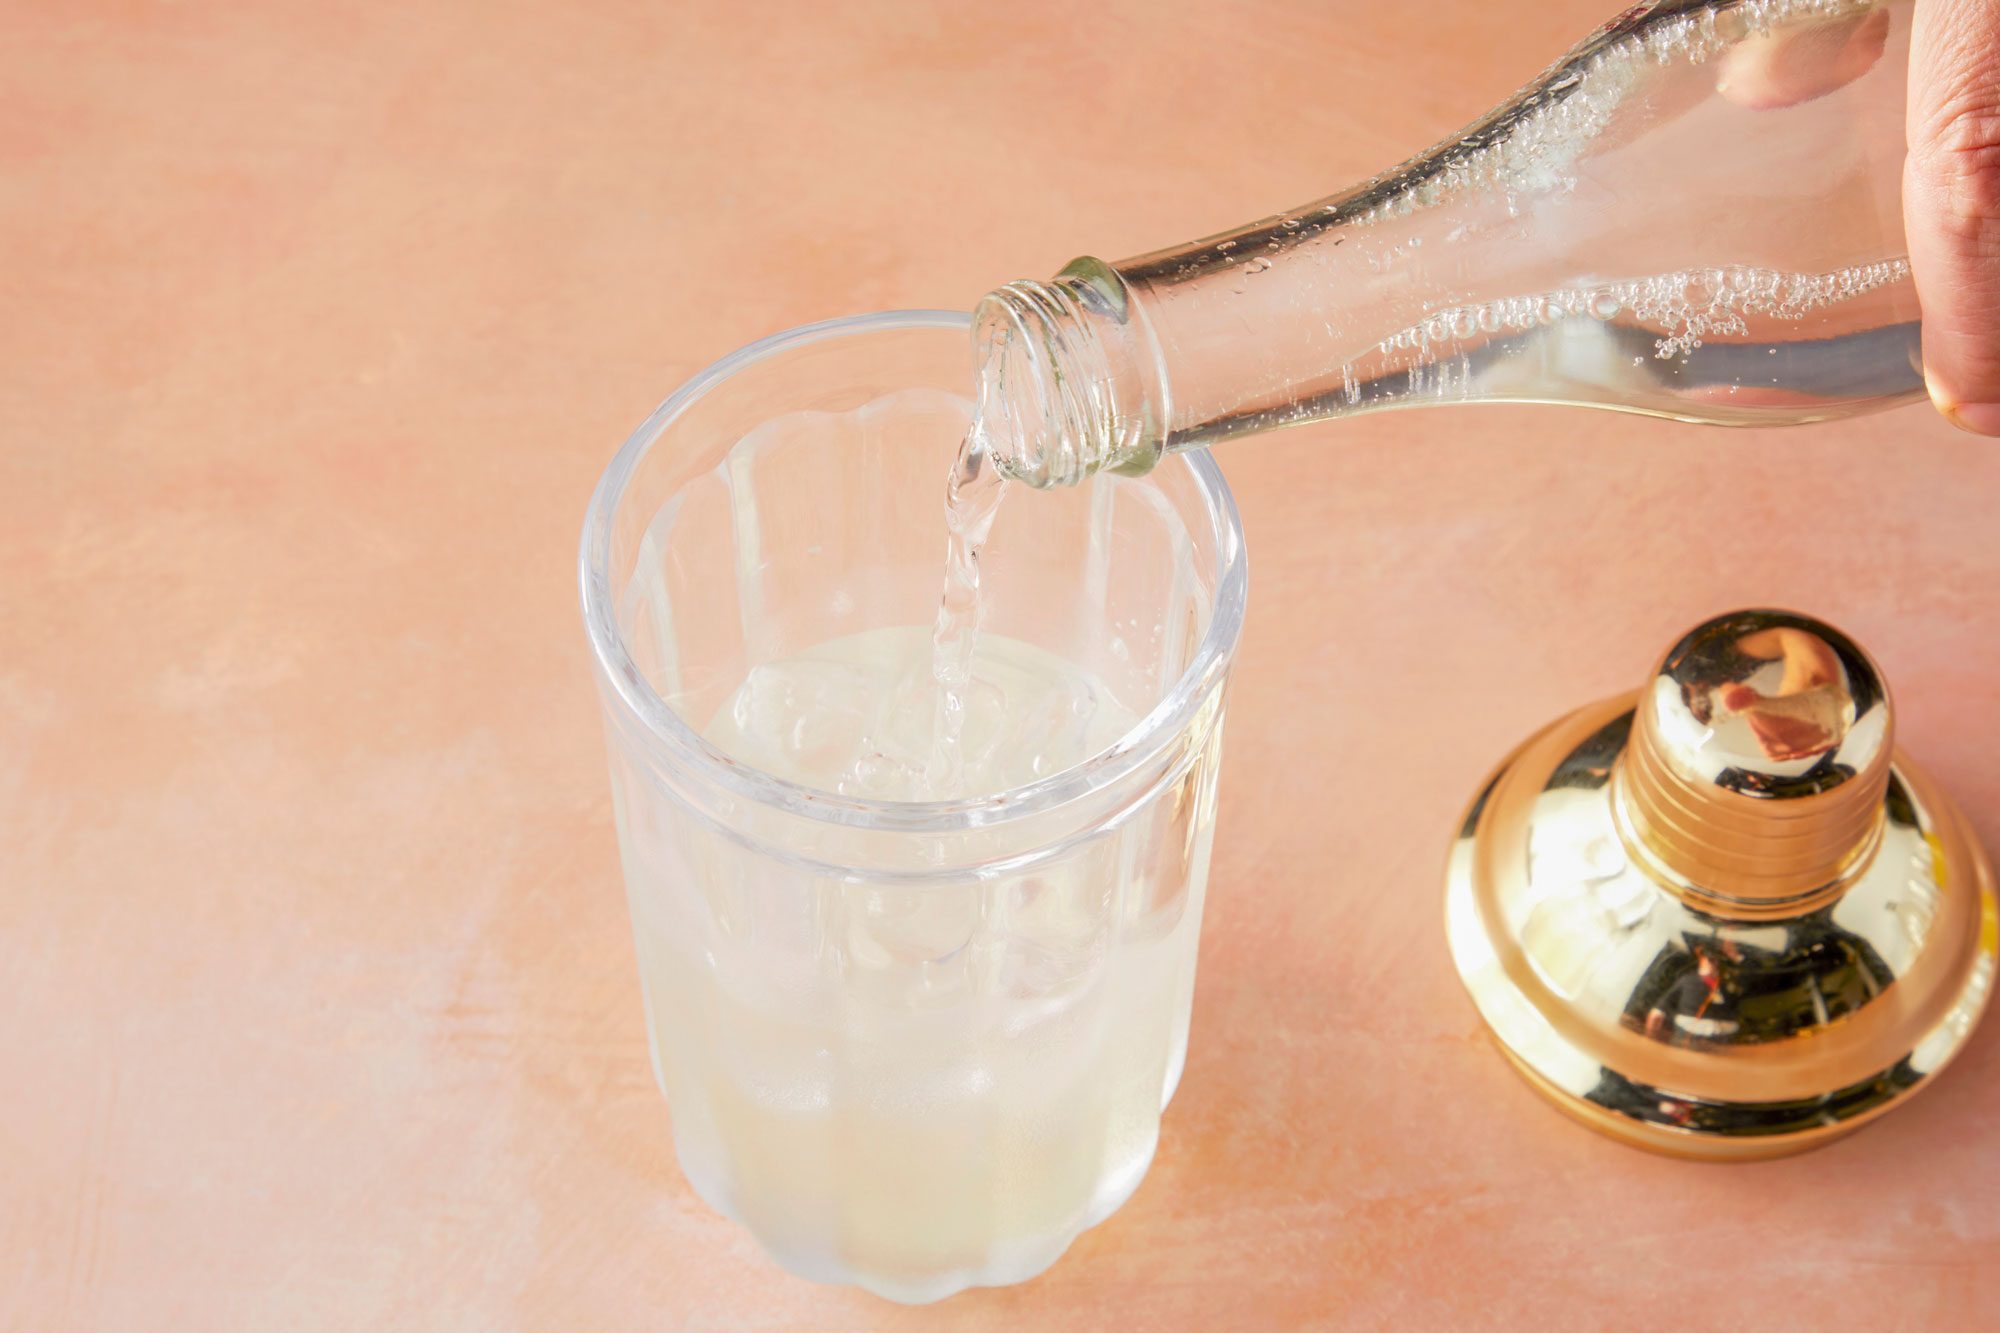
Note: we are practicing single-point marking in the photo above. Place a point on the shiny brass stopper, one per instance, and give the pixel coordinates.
(1754, 779)
(1725, 918)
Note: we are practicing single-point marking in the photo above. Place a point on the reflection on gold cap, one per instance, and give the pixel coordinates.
(1758, 762)
(1724, 917)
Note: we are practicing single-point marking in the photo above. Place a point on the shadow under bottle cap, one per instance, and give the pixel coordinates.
(1724, 917)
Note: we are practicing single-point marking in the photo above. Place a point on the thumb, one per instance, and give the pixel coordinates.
(1951, 204)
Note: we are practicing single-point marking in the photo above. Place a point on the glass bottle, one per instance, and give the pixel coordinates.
(1694, 214)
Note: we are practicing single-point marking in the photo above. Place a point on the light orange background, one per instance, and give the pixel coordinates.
(317, 1007)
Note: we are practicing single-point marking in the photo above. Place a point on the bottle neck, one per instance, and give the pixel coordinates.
(1070, 379)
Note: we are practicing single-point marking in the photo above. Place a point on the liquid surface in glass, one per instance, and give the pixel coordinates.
(867, 715)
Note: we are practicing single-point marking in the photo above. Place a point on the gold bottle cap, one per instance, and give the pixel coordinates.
(1724, 917)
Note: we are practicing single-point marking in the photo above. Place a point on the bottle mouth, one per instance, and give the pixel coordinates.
(1055, 372)
(1028, 384)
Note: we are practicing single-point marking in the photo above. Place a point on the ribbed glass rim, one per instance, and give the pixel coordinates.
(695, 758)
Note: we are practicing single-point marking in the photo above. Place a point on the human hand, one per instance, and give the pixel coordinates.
(1951, 204)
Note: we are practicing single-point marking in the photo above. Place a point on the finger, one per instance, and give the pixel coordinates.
(1799, 61)
(1951, 204)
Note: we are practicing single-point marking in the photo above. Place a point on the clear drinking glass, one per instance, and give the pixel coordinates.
(912, 1046)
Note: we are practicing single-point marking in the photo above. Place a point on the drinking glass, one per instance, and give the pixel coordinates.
(913, 1046)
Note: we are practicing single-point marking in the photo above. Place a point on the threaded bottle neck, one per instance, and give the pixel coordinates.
(1068, 380)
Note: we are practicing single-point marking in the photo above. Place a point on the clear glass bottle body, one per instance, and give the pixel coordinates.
(1695, 214)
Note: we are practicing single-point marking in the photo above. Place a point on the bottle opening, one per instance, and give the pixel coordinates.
(1059, 395)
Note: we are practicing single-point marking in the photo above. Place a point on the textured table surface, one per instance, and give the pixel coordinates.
(317, 1005)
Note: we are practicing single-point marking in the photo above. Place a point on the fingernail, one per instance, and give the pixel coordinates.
(1979, 418)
